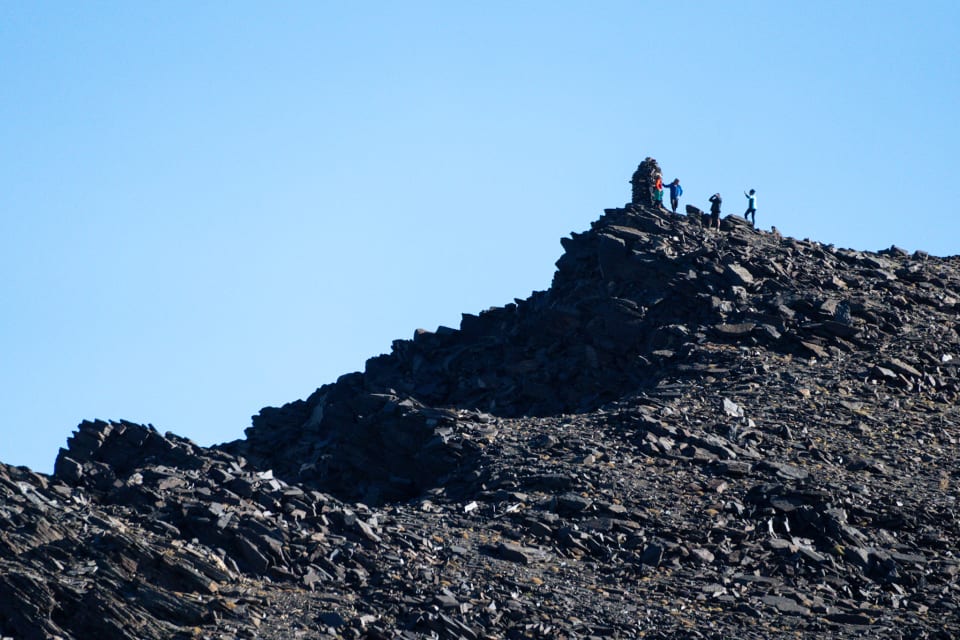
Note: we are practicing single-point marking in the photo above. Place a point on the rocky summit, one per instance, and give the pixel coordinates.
(691, 434)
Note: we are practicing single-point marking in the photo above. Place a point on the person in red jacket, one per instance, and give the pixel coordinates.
(658, 191)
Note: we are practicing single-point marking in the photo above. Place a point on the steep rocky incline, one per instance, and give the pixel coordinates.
(691, 434)
(641, 301)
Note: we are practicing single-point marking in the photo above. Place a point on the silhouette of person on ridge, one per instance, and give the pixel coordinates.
(715, 201)
(751, 207)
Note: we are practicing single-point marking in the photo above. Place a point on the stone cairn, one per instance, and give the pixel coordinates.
(643, 182)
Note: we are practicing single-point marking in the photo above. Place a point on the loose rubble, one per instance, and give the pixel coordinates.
(691, 434)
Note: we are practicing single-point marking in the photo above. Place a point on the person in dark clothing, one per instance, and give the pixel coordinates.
(675, 192)
(751, 207)
(715, 201)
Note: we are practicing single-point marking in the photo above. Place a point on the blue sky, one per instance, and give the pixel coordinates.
(211, 207)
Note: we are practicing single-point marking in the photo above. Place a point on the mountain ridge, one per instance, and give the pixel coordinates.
(615, 318)
(692, 433)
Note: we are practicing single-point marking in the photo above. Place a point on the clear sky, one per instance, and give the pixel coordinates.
(211, 207)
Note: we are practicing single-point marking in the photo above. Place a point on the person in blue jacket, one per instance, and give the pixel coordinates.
(675, 192)
(751, 206)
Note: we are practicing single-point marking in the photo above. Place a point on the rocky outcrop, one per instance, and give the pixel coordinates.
(643, 183)
(639, 300)
(690, 434)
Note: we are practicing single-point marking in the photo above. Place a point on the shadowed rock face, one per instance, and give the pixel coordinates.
(690, 434)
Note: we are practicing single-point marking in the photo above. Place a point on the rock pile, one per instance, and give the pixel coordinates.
(643, 183)
(689, 435)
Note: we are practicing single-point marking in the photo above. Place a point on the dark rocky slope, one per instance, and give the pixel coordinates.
(690, 434)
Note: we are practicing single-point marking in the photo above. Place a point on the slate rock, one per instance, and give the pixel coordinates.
(613, 493)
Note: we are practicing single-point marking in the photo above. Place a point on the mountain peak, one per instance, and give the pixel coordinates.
(691, 429)
(644, 300)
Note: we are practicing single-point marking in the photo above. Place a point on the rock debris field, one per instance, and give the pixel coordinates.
(691, 434)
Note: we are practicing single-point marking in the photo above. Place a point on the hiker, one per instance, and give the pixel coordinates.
(675, 192)
(658, 191)
(751, 207)
(715, 201)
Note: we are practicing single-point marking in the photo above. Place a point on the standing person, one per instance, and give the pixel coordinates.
(715, 201)
(751, 207)
(658, 191)
(675, 192)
